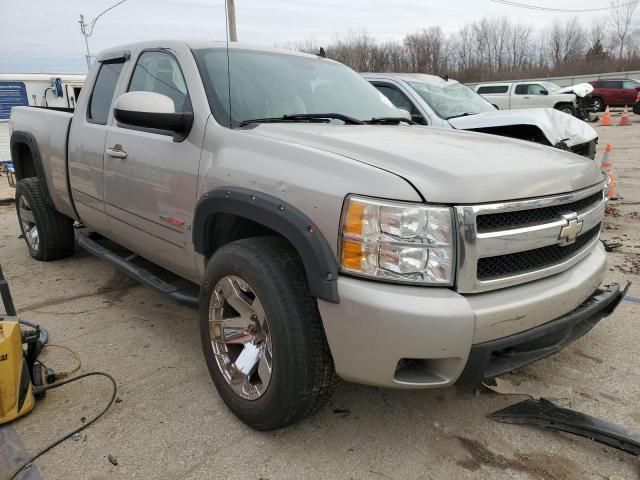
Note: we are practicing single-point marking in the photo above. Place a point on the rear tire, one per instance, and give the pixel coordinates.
(262, 279)
(48, 234)
(598, 104)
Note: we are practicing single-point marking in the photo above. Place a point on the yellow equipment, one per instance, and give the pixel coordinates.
(16, 392)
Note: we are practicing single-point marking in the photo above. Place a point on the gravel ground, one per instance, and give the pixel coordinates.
(170, 423)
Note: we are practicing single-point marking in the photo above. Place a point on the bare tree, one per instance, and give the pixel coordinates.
(425, 50)
(492, 49)
(622, 15)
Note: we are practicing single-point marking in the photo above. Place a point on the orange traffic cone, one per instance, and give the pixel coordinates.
(624, 120)
(606, 120)
(607, 168)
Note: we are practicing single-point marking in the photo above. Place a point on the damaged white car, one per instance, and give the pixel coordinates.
(446, 103)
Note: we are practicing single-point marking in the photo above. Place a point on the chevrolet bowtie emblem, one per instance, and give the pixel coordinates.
(573, 227)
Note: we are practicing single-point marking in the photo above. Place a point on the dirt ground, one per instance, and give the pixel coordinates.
(169, 423)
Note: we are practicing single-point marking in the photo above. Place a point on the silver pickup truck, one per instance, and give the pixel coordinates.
(327, 236)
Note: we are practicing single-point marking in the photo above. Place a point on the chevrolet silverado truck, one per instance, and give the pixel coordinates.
(327, 237)
(446, 103)
(575, 100)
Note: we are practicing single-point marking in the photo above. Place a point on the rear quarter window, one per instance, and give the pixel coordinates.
(103, 91)
(493, 89)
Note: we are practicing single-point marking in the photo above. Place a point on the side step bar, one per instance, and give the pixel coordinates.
(140, 274)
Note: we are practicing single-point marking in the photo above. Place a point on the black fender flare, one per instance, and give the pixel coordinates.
(317, 257)
(25, 138)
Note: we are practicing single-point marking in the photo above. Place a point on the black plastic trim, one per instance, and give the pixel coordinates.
(138, 273)
(25, 138)
(493, 358)
(176, 124)
(115, 57)
(546, 414)
(319, 261)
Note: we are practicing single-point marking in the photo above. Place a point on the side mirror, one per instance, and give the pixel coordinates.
(544, 92)
(404, 113)
(153, 111)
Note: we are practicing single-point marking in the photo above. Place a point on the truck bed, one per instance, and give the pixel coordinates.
(49, 129)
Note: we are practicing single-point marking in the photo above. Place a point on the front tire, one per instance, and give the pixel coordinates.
(567, 108)
(262, 334)
(49, 234)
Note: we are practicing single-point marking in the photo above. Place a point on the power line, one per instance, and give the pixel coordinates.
(560, 10)
(92, 23)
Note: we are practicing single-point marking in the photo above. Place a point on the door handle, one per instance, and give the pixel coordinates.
(526, 98)
(116, 152)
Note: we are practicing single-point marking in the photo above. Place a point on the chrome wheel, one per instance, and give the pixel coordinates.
(28, 223)
(240, 337)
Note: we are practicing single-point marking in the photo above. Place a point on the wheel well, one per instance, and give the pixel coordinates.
(561, 104)
(225, 228)
(231, 213)
(23, 161)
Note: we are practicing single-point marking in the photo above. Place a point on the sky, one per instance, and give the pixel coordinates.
(44, 35)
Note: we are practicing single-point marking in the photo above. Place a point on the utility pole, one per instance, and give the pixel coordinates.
(83, 29)
(231, 14)
(87, 29)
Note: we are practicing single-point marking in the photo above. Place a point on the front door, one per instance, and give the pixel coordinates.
(530, 95)
(150, 178)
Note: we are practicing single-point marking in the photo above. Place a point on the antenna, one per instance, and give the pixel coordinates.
(226, 14)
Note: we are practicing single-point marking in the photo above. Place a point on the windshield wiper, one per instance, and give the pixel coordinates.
(301, 117)
(392, 120)
(466, 114)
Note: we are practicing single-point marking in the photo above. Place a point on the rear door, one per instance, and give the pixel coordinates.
(150, 178)
(86, 142)
(612, 90)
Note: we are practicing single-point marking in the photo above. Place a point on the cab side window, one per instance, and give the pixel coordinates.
(103, 90)
(400, 100)
(160, 72)
(535, 89)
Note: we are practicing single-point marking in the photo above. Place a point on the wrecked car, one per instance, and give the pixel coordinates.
(446, 103)
(575, 100)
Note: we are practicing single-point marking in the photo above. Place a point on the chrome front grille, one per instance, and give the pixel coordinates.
(510, 243)
(523, 218)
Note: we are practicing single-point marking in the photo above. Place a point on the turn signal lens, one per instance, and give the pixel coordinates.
(397, 241)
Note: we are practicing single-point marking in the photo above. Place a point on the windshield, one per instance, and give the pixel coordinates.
(271, 85)
(451, 99)
(552, 87)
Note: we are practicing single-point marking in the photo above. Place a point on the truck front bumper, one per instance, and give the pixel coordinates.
(418, 337)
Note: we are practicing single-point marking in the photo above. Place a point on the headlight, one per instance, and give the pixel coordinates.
(397, 241)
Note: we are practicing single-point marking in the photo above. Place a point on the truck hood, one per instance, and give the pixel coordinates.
(554, 124)
(447, 166)
(580, 89)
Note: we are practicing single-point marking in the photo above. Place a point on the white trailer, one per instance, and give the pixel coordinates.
(35, 89)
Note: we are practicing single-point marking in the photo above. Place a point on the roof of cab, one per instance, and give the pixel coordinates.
(411, 77)
(197, 44)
